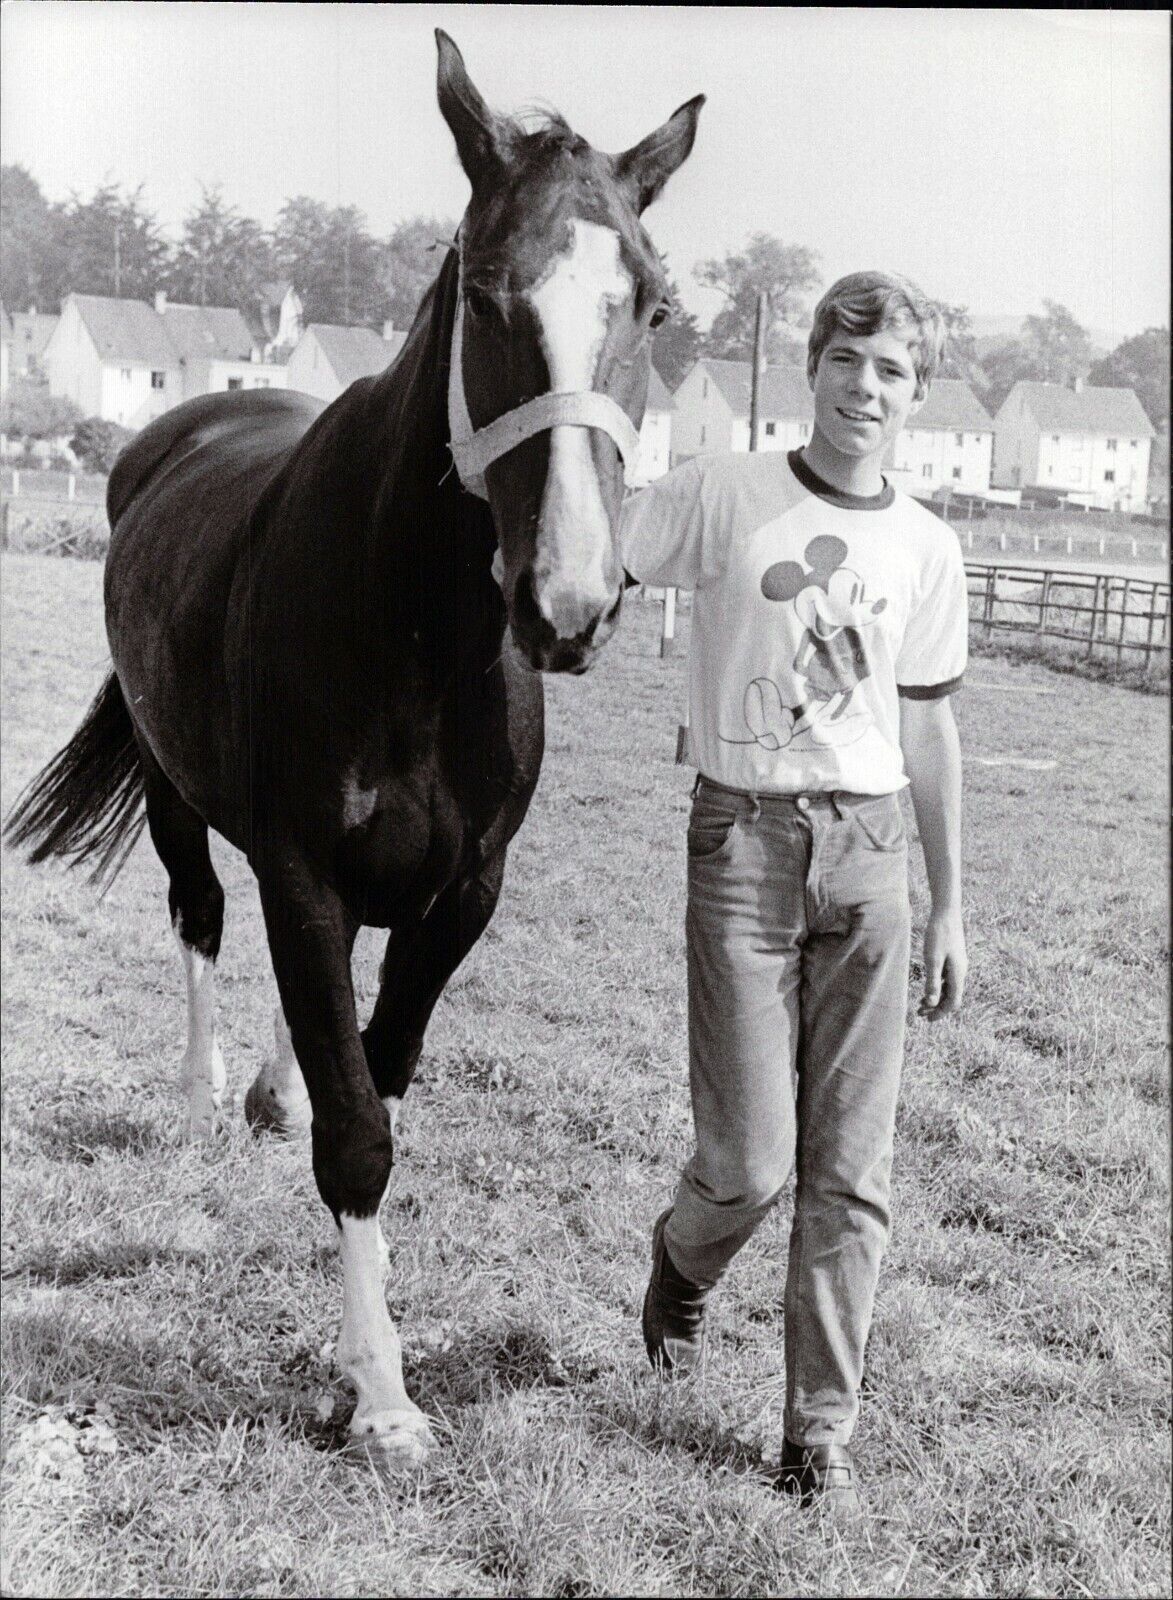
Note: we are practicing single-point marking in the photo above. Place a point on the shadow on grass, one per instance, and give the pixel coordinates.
(82, 1135)
(490, 1361)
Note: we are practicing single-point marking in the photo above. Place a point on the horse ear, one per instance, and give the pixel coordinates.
(473, 125)
(647, 166)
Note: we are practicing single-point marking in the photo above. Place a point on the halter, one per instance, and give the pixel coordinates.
(473, 449)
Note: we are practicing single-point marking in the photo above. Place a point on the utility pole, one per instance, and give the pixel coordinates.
(117, 261)
(761, 325)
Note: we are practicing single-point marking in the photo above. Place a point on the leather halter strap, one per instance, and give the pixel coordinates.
(473, 449)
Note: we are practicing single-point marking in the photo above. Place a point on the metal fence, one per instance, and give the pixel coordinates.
(1102, 613)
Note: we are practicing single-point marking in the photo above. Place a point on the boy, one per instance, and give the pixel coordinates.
(829, 628)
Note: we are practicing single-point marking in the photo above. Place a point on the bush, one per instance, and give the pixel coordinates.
(98, 443)
(29, 411)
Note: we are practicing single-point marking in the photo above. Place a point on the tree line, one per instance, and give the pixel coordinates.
(112, 244)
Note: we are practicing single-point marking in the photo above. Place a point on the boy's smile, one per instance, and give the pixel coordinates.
(864, 388)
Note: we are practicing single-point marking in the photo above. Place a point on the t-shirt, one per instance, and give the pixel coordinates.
(813, 611)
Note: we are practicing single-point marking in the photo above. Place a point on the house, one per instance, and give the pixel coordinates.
(655, 434)
(129, 361)
(712, 407)
(277, 321)
(947, 444)
(1090, 444)
(328, 358)
(31, 331)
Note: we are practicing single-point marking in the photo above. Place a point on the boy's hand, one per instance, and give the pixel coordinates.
(945, 964)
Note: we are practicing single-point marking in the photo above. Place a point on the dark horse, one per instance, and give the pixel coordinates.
(328, 647)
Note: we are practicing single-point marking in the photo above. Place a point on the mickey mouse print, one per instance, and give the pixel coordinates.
(833, 605)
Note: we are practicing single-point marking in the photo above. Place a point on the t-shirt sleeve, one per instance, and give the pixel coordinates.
(662, 530)
(933, 653)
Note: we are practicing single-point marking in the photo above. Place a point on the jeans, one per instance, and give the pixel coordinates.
(798, 946)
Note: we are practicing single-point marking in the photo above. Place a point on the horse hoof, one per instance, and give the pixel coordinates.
(394, 1441)
(265, 1113)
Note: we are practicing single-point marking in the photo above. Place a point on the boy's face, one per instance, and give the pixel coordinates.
(864, 389)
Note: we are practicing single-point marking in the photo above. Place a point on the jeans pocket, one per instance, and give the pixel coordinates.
(710, 832)
(881, 821)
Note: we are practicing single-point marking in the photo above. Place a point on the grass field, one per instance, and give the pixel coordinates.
(181, 1303)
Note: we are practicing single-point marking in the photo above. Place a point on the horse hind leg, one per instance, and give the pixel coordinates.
(196, 903)
(278, 1101)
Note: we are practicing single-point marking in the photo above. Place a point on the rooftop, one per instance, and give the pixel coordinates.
(355, 352)
(1095, 410)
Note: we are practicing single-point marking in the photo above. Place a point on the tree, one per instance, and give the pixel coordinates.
(1001, 364)
(786, 272)
(28, 411)
(411, 259)
(1058, 346)
(98, 443)
(111, 245)
(1142, 364)
(676, 343)
(959, 357)
(223, 258)
(331, 260)
(30, 255)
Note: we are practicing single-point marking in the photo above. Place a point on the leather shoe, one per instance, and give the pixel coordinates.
(821, 1474)
(673, 1313)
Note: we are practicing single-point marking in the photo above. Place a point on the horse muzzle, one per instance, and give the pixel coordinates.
(562, 632)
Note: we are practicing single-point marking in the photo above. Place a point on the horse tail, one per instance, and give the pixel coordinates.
(87, 801)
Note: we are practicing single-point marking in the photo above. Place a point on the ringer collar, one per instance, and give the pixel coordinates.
(838, 497)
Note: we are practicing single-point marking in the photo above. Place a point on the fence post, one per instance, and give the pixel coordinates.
(1069, 549)
(668, 633)
(1002, 540)
(1123, 621)
(71, 490)
(15, 481)
(1091, 632)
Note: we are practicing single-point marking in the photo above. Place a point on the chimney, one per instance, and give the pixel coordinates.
(160, 301)
(388, 330)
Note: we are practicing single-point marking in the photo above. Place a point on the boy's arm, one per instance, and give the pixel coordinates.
(932, 758)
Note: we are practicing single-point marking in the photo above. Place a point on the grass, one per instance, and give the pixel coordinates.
(1014, 1436)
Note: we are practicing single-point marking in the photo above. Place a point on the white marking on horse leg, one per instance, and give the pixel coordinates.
(394, 1104)
(573, 303)
(203, 1072)
(369, 1352)
(278, 1100)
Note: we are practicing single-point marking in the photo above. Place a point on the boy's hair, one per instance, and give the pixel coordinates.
(864, 303)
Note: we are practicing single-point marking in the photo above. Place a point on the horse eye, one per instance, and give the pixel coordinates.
(660, 316)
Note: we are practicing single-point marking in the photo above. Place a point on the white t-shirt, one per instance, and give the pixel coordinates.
(812, 612)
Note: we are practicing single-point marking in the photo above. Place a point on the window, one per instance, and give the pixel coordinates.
(158, 380)
(704, 388)
(702, 433)
(958, 438)
(927, 470)
(1054, 438)
(236, 383)
(957, 472)
(1111, 444)
(1110, 476)
(126, 374)
(1132, 443)
(770, 430)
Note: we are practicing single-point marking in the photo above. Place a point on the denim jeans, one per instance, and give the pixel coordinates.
(798, 947)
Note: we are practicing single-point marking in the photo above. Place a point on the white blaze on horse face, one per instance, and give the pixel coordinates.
(203, 1065)
(573, 303)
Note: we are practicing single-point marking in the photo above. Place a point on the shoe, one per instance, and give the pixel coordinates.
(822, 1475)
(674, 1311)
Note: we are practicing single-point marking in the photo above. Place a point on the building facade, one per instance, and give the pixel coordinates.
(947, 444)
(329, 357)
(655, 434)
(1089, 444)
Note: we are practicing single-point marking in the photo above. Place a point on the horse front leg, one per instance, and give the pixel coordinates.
(416, 966)
(311, 936)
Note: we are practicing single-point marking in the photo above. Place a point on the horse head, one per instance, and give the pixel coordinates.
(560, 292)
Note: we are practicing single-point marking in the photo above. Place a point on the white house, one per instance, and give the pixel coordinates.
(5, 349)
(28, 334)
(948, 443)
(1090, 444)
(276, 321)
(712, 407)
(328, 358)
(655, 434)
(129, 361)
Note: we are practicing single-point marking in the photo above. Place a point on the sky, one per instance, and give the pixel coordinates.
(999, 157)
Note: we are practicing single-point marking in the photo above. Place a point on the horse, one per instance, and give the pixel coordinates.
(328, 629)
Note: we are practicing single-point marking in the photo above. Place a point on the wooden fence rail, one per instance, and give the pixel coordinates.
(1103, 612)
